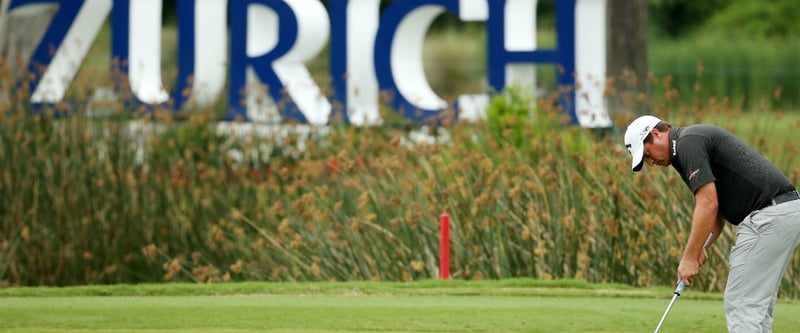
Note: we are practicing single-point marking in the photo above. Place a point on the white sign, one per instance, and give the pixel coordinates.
(263, 45)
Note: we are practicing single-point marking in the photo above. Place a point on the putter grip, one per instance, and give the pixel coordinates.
(679, 289)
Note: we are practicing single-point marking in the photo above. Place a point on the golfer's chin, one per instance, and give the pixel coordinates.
(658, 164)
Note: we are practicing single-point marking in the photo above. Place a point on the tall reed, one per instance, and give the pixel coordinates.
(87, 201)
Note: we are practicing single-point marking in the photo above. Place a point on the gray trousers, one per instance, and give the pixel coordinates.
(765, 242)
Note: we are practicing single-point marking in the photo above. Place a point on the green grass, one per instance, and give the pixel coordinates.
(507, 287)
(426, 306)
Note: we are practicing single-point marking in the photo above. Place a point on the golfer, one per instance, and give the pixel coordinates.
(731, 182)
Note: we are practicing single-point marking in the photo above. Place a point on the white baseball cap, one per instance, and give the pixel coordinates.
(634, 138)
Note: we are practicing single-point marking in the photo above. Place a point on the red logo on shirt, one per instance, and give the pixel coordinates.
(693, 174)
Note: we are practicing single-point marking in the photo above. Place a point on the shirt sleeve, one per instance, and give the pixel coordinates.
(693, 153)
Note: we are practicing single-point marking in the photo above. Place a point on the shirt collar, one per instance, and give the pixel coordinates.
(674, 148)
(673, 141)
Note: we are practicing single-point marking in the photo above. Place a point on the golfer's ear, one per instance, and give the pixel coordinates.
(655, 133)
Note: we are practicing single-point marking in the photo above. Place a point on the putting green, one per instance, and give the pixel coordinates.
(433, 306)
(364, 313)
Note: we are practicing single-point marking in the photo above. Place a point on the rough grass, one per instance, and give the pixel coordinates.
(509, 287)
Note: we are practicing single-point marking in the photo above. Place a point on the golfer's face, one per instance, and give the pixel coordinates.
(657, 152)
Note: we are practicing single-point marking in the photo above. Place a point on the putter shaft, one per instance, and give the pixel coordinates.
(678, 290)
(661, 322)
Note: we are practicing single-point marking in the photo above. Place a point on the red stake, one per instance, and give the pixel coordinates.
(444, 248)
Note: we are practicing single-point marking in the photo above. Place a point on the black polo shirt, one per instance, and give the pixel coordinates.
(745, 180)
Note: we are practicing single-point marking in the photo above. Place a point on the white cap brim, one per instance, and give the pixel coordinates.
(635, 135)
(637, 156)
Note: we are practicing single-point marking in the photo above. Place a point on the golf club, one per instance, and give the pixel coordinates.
(678, 291)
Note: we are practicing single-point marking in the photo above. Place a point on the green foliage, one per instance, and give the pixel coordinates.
(678, 18)
(725, 19)
(515, 116)
(510, 113)
(749, 74)
(748, 19)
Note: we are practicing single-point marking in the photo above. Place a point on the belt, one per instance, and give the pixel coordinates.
(785, 197)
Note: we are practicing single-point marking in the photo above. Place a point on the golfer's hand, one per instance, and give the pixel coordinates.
(703, 258)
(687, 270)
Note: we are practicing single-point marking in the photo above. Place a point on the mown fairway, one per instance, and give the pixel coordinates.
(364, 307)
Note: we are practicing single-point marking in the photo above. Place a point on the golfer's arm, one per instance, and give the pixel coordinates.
(717, 230)
(704, 220)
